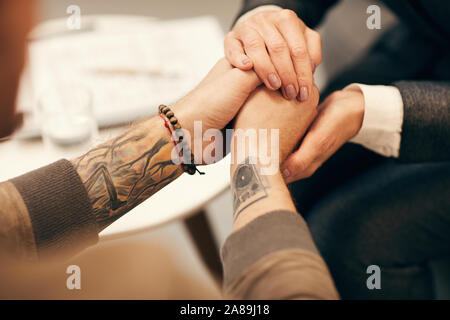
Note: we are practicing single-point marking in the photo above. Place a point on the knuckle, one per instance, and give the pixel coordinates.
(229, 52)
(299, 52)
(259, 17)
(277, 46)
(249, 24)
(288, 76)
(300, 165)
(324, 144)
(303, 77)
(288, 14)
(245, 26)
(305, 80)
(246, 23)
(253, 43)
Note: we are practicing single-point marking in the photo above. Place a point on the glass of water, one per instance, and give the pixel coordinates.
(67, 120)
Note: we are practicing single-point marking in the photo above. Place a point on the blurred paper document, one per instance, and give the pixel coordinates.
(129, 70)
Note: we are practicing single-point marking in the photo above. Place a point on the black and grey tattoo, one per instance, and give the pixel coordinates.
(121, 173)
(248, 186)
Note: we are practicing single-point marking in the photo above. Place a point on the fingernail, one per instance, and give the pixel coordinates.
(303, 94)
(245, 61)
(291, 92)
(286, 173)
(274, 81)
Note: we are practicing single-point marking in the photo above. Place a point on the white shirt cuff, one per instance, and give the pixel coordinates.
(383, 118)
(267, 7)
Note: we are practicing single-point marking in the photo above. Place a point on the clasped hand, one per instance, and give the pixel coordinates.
(230, 95)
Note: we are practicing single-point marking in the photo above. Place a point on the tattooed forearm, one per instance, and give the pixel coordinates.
(123, 172)
(248, 186)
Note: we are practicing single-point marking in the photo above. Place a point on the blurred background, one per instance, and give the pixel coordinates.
(164, 263)
(344, 31)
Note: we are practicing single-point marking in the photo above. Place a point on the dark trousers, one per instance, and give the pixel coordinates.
(395, 216)
(364, 209)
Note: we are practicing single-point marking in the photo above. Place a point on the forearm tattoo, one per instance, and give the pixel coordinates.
(123, 172)
(248, 186)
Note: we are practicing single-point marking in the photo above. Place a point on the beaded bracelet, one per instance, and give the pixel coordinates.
(168, 113)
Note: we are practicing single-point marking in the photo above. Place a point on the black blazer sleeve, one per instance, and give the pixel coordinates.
(426, 121)
(310, 11)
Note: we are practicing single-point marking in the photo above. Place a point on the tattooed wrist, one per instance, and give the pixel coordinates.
(123, 172)
(248, 185)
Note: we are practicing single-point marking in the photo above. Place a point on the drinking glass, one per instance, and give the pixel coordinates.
(67, 120)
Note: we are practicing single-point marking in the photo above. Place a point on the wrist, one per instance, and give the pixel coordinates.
(263, 194)
(383, 119)
(255, 146)
(193, 126)
(355, 101)
(185, 119)
(356, 93)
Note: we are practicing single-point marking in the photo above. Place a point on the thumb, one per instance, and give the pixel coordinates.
(223, 96)
(299, 164)
(220, 68)
(229, 91)
(237, 81)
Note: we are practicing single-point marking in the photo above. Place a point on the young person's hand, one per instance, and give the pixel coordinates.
(339, 119)
(281, 49)
(217, 99)
(124, 171)
(214, 103)
(267, 109)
